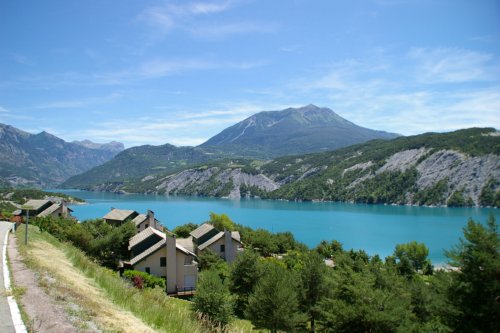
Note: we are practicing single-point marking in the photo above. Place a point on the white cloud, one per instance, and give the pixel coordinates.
(62, 105)
(170, 16)
(382, 97)
(22, 59)
(452, 65)
(3, 110)
(189, 17)
(179, 128)
(163, 67)
(222, 30)
(79, 103)
(149, 69)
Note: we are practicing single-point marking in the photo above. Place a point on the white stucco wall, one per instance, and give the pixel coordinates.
(153, 262)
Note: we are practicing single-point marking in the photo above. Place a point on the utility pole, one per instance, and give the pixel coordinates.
(27, 208)
(27, 220)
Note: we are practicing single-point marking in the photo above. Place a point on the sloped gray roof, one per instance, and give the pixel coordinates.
(35, 204)
(50, 210)
(201, 230)
(211, 241)
(187, 243)
(151, 250)
(234, 235)
(148, 252)
(143, 235)
(183, 249)
(139, 219)
(118, 214)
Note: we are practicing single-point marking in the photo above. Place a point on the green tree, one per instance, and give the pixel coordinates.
(361, 301)
(209, 260)
(429, 302)
(274, 304)
(182, 231)
(412, 257)
(457, 199)
(221, 222)
(212, 299)
(113, 246)
(313, 286)
(329, 249)
(262, 241)
(245, 272)
(489, 195)
(476, 287)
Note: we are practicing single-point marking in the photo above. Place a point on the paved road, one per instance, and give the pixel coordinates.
(6, 324)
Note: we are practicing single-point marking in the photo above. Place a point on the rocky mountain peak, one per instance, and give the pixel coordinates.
(305, 129)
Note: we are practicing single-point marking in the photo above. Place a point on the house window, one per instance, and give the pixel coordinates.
(146, 226)
(163, 261)
(222, 248)
(147, 270)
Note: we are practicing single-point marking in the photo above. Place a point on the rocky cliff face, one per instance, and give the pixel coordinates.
(467, 174)
(213, 181)
(458, 171)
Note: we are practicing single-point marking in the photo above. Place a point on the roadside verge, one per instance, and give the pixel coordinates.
(14, 309)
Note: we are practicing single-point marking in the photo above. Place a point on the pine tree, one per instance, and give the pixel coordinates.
(476, 287)
(274, 303)
(245, 272)
(313, 286)
(212, 299)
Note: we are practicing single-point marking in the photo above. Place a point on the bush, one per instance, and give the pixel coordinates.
(213, 300)
(182, 231)
(143, 280)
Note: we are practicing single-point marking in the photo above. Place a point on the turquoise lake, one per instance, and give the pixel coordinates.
(374, 228)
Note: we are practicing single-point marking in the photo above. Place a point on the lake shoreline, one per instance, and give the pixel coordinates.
(375, 228)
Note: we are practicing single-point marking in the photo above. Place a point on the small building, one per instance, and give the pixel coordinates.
(142, 222)
(158, 253)
(225, 243)
(119, 216)
(44, 208)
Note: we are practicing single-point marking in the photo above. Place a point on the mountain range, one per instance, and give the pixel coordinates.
(307, 153)
(460, 168)
(265, 135)
(44, 160)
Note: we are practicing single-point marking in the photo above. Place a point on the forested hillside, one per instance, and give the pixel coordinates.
(457, 169)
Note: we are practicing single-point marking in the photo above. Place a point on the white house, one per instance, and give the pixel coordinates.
(158, 253)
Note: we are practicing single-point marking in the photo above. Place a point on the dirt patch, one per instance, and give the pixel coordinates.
(85, 303)
(45, 314)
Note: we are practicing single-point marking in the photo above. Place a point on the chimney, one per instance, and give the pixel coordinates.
(151, 219)
(171, 264)
(64, 208)
(228, 242)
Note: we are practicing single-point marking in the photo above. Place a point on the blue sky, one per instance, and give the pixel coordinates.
(152, 72)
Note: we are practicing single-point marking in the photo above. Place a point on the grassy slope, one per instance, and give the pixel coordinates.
(104, 297)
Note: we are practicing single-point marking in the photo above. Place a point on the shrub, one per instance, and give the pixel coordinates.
(213, 300)
(148, 280)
